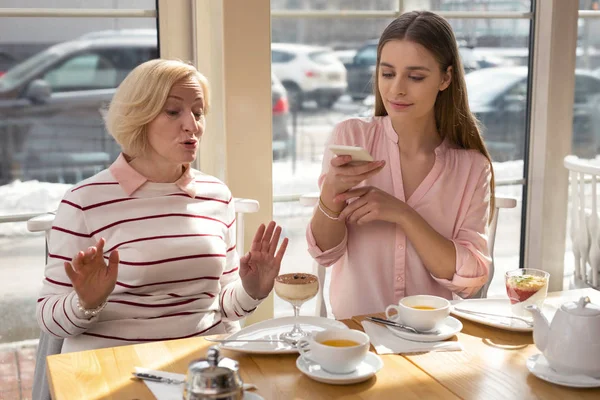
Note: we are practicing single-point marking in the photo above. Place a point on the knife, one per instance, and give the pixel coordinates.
(401, 326)
(155, 378)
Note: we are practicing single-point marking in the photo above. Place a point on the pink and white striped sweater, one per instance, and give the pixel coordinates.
(178, 271)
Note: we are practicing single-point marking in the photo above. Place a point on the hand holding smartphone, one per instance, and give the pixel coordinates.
(359, 155)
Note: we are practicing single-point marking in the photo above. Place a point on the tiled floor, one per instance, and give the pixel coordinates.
(17, 364)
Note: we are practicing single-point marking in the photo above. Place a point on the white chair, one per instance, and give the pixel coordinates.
(311, 200)
(585, 222)
(49, 345)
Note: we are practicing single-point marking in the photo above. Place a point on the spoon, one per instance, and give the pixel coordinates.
(401, 326)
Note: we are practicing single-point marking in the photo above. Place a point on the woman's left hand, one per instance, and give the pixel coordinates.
(260, 266)
(371, 204)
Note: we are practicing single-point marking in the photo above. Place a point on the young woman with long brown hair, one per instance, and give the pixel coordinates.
(414, 220)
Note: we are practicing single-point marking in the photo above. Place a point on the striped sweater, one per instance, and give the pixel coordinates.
(178, 270)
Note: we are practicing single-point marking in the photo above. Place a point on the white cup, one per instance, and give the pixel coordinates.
(337, 360)
(423, 320)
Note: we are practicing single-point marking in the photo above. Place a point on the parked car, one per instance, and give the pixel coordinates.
(282, 143)
(360, 71)
(309, 73)
(498, 98)
(361, 68)
(51, 127)
(51, 124)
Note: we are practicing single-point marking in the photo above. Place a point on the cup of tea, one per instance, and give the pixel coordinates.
(338, 351)
(422, 312)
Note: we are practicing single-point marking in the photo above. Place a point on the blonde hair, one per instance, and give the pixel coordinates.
(140, 98)
(453, 117)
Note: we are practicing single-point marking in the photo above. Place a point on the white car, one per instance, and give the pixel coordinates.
(309, 73)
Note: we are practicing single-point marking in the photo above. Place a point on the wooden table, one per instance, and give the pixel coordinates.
(492, 366)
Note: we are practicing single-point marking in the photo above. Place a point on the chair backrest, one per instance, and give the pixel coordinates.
(49, 345)
(585, 223)
(311, 200)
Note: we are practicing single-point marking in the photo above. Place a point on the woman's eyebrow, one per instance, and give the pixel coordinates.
(409, 68)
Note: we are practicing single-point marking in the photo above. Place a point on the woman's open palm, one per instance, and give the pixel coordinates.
(93, 279)
(260, 266)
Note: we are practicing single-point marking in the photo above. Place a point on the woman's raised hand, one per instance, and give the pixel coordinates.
(260, 266)
(93, 279)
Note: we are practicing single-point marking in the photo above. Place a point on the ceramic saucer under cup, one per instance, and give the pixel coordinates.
(365, 370)
(449, 327)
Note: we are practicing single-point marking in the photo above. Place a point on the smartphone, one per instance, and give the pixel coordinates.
(358, 154)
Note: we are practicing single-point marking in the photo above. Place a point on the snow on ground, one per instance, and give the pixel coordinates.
(28, 197)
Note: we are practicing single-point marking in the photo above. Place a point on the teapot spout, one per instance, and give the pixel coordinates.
(541, 326)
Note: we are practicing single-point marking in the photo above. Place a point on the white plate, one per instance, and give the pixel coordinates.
(538, 365)
(449, 327)
(271, 329)
(365, 370)
(495, 306)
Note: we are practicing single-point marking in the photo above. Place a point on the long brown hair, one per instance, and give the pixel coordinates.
(453, 118)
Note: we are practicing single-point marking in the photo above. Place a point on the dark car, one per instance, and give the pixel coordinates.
(51, 123)
(498, 98)
(282, 143)
(359, 72)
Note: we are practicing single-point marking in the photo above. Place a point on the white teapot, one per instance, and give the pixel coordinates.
(571, 343)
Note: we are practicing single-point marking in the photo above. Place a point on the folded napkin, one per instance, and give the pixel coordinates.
(164, 391)
(385, 342)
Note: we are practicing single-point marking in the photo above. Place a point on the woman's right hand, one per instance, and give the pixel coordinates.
(342, 176)
(93, 280)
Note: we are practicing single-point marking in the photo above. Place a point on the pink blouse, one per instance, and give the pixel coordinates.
(375, 265)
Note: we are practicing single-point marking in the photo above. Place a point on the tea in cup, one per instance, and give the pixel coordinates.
(338, 351)
(422, 312)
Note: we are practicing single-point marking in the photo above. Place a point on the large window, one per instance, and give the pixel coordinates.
(495, 51)
(56, 76)
(586, 107)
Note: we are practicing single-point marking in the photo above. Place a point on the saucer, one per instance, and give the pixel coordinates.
(538, 366)
(448, 328)
(365, 370)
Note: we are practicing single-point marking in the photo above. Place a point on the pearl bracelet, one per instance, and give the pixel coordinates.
(93, 312)
(326, 214)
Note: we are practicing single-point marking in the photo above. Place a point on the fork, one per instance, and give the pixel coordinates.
(462, 310)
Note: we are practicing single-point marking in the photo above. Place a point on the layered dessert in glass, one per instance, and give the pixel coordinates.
(526, 286)
(296, 289)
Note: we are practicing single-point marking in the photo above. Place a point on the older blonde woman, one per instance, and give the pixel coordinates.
(145, 250)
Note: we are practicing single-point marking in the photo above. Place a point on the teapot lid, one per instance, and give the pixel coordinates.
(582, 308)
(213, 375)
